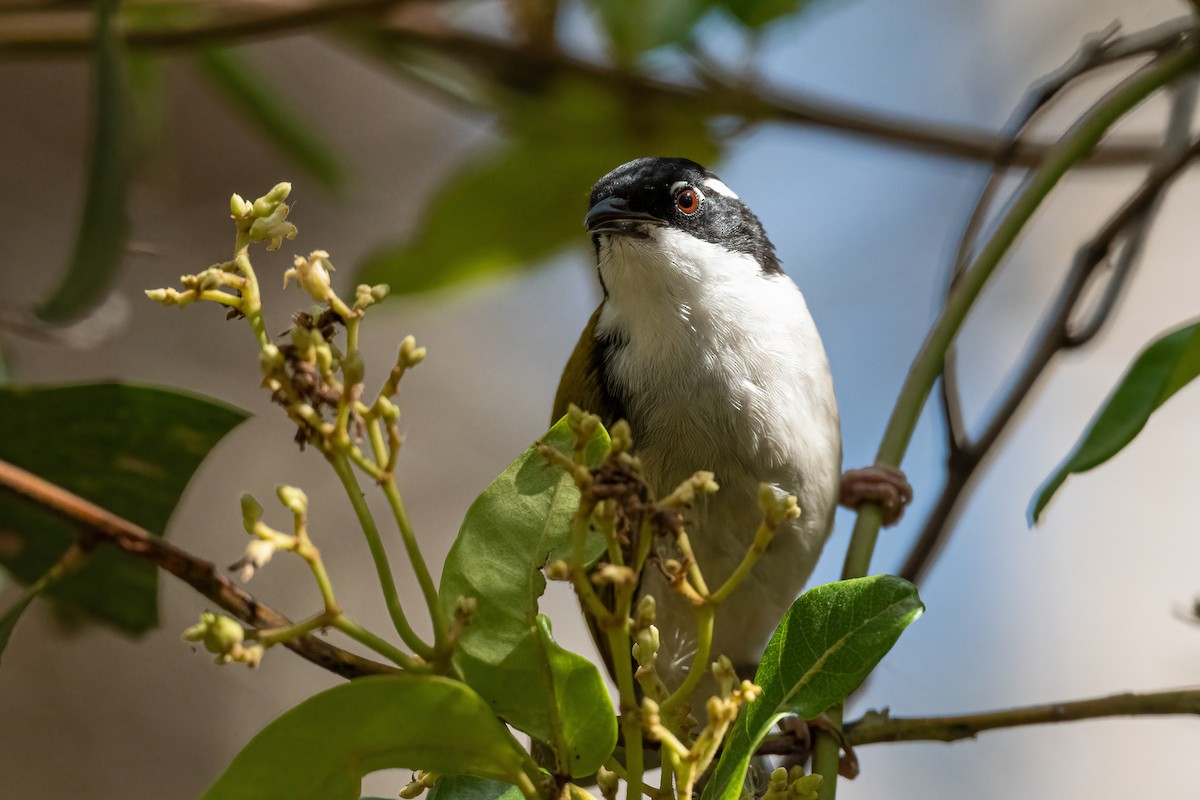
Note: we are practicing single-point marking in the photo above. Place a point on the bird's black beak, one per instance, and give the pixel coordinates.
(613, 215)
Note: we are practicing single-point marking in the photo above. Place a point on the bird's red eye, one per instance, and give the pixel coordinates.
(688, 201)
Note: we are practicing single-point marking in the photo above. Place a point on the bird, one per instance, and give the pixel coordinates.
(706, 348)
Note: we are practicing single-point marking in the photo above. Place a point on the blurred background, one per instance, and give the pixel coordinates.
(466, 193)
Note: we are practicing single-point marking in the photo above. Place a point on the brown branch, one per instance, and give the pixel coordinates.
(70, 32)
(103, 527)
(882, 727)
(528, 70)
(1128, 227)
(520, 67)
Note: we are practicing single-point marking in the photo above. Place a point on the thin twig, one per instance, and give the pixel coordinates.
(101, 526)
(1089, 56)
(521, 68)
(1130, 225)
(881, 727)
(69, 32)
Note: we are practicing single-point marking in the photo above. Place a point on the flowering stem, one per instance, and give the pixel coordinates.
(704, 635)
(341, 465)
(251, 297)
(365, 637)
(441, 625)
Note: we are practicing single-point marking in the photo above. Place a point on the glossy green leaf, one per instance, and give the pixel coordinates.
(264, 106)
(828, 642)
(581, 702)
(130, 449)
(525, 201)
(507, 653)
(322, 748)
(466, 787)
(104, 227)
(1162, 369)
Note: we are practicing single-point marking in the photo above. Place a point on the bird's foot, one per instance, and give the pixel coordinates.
(882, 484)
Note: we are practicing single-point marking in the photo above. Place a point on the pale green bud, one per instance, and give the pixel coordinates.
(252, 512)
(312, 274)
(557, 570)
(239, 207)
(293, 499)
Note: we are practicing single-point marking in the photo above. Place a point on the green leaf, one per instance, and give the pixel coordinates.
(525, 201)
(104, 227)
(130, 449)
(263, 105)
(322, 748)
(828, 642)
(71, 561)
(759, 13)
(584, 710)
(1162, 369)
(9, 621)
(465, 787)
(507, 653)
(634, 27)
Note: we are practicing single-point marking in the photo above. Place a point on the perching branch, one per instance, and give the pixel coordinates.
(882, 727)
(518, 67)
(1079, 140)
(101, 526)
(1127, 230)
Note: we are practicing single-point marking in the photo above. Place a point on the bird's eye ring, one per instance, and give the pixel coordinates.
(688, 201)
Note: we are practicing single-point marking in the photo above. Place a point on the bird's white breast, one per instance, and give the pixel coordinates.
(721, 368)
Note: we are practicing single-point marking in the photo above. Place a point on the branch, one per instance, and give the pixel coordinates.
(881, 727)
(101, 526)
(527, 70)
(524, 69)
(70, 32)
(1131, 222)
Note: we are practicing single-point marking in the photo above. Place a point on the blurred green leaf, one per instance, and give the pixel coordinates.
(758, 13)
(507, 653)
(322, 748)
(525, 201)
(465, 787)
(1162, 369)
(634, 27)
(264, 106)
(71, 561)
(9, 621)
(104, 227)
(130, 449)
(828, 642)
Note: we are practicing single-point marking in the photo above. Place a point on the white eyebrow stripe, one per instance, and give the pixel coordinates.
(719, 187)
(678, 186)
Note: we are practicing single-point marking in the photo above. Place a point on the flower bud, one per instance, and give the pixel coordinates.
(239, 207)
(293, 499)
(312, 274)
(258, 553)
(252, 512)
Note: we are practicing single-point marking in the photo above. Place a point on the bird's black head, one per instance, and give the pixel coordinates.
(677, 193)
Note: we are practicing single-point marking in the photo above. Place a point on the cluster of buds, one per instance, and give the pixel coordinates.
(264, 220)
(225, 637)
(266, 539)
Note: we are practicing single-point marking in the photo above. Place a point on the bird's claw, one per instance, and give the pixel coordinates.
(882, 484)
